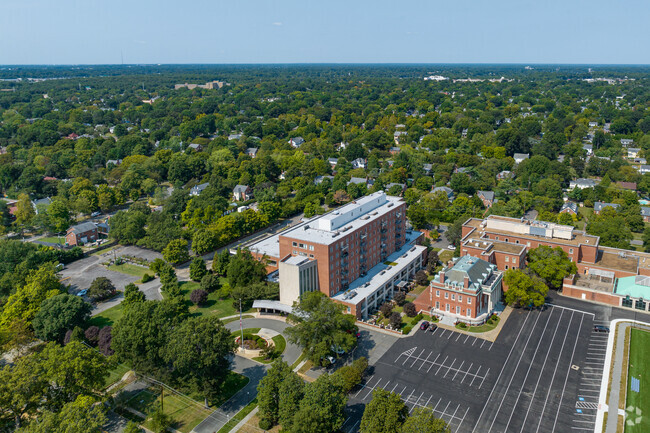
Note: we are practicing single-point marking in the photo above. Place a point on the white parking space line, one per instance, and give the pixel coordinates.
(496, 413)
(474, 377)
(459, 334)
(461, 421)
(401, 393)
(443, 332)
(484, 376)
(416, 402)
(468, 370)
(425, 361)
(443, 363)
(466, 338)
(364, 385)
(482, 344)
(491, 346)
(451, 333)
(474, 342)
(449, 368)
(434, 409)
(417, 358)
(372, 389)
(459, 367)
(394, 386)
(427, 403)
(539, 377)
(566, 378)
(433, 363)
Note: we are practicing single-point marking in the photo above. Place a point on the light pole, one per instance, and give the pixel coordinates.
(241, 326)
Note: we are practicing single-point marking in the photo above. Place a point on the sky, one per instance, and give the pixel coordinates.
(334, 31)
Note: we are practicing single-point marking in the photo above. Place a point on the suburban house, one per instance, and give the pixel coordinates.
(519, 157)
(427, 168)
(448, 192)
(319, 179)
(582, 183)
(394, 150)
(570, 208)
(195, 146)
(593, 124)
(627, 185)
(115, 162)
(392, 184)
(357, 180)
(645, 213)
(589, 148)
(487, 197)
(505, 174)
(296, 142)
(599, 206)
(82, 234)
(242, 192)
(198, 189)
(41, 203)
(633, 152)
(643, 169)
(333, 162)
(234, 137)
(627, 142)
(468, 290)
(252, 152)
(359, 163)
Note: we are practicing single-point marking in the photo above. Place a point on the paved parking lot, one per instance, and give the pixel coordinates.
(541, 375)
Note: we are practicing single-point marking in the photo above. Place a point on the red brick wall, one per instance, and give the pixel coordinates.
(427, 300)
(589, 295)
(618, 273)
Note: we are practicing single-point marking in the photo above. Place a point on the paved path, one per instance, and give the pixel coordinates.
(617, 372)
(251, 369)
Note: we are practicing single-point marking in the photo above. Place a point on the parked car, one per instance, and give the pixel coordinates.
(82, 292)
(424, 326)
(96, 213)
(451, 247)
(433, 327)
(600, 328)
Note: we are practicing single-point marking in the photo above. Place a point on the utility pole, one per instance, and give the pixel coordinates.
(241, 326)
(162, 399)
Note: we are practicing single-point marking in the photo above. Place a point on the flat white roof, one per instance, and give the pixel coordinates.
(380, 274)
(328, 228)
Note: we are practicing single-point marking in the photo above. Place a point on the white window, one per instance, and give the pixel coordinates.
(295, 252)
(514, 260)
(453, 297)
(469, 312)
(437, 305)
(460, 298)
(469, 301)
(496, 238)
(506, 267)
(507, 259)
(295, 244)
(301, 245)
(570, 250)
(506, 239)
(457, 310)
(446, 295)
(311, 248)
(528, 244)
(437, 293)
(447, 307)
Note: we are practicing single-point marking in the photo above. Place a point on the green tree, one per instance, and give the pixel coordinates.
(145, 328)
(128, 227)
(352, 375)
(523, 289)
(132, 295)
(211, 283)
(176, 251)
(199, 351)
(132, 427)
(101, 288)
(268, 393)
(321, 409)
(22, 387)
(291, 392)
(422, 420)
(82, 415)
(24, 210)
(551, 264)
(221, 262)
(58, 314)
(23, 305)
(321, 325)
(244, 270)
(197, 269)
(385, 413)
(59, 216)
(204, 241)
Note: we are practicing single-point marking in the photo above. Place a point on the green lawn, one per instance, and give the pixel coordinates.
(130, 269)
(213, 307)
(481, 328)
(107, 317)
(638, 404)
(280, 345)
(54, 240)
(184, 413)
(116, 374)
(445, 256)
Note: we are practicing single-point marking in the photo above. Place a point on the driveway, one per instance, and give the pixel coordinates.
(251, 369)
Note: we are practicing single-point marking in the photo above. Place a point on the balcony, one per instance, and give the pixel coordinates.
(344, 247)
(382, 231)
(344, 254)
(363, 236)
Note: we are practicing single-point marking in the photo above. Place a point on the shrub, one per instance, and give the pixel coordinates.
(352, 375)
(101, 288)
(198, 296)
(421, 278)
(400, 298)
(386, 308)
(416, 319)
(265, 424)
(462, 325)
(147, 277)
(210, 283)
(104, 340)
(409, 309)
(395, 320)
(197, 269)
(407, 329)
(92, 335)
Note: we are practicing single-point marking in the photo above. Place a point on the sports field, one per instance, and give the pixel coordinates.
(637, 407)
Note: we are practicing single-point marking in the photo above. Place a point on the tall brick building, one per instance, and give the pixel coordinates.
(356, 254)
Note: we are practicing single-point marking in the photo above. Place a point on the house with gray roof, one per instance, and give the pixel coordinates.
(645, 213)
(583, 183)
(195, 146)
(487, 197)
(242, 192)
(519, 157)
(296, 142)
(319, 179)
(41, 203)
(252, 152)
(599, 206)
(569, 207)
(427, 168)
(82, 234)
(445, 189)
(198, 189)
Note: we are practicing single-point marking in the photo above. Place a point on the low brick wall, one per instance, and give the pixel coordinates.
(586, 294)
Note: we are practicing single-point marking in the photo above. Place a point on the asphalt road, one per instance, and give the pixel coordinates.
(251, 369)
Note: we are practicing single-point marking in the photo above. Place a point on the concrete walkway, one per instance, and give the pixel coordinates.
(616, 368)
(251, 369)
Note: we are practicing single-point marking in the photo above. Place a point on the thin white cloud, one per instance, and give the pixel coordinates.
(277, 23)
